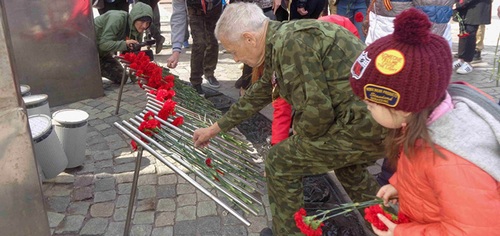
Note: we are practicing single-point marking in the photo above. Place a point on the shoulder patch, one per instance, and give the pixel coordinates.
(360, 65)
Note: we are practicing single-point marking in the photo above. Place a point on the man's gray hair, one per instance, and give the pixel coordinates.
(238, 18)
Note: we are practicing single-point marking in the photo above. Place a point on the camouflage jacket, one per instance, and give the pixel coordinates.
(312, 61)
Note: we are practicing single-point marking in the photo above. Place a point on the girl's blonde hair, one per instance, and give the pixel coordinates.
(406, 139)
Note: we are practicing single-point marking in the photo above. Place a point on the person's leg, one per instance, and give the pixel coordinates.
(294, 15)
(292, 159)
(315, 8)
(359, 6)
(196, 23)
(467, 45)
(111, 68)
(479, 42)
(212, 50)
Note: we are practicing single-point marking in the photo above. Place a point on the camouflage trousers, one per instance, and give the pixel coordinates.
(111, 68)
(292, 159)
(205, 47)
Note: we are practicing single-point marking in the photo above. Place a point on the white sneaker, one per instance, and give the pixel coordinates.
(466, 68)
(457, 64)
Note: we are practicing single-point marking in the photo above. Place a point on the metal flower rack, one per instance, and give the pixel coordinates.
(227, 164)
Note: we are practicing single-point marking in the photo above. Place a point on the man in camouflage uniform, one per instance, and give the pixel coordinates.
(333, 130)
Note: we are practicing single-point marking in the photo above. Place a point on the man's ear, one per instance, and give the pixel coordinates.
(249, 37)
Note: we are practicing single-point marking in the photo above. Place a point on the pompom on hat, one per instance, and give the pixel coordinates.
(408, 70)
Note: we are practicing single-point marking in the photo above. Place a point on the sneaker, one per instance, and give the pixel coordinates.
(457, 64)
(159, 44)
(466, 68)
(266, 232)
(185, 44)
(477, 56)
(199, 90)
(212, 81)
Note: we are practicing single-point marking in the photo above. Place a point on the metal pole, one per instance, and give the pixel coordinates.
(124, 77)
(133, 191)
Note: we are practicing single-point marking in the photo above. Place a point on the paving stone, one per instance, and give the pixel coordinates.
(105, 196)
(94, 122)
(120, 214)
(200, 196)
(208, 224)
(186, 199)
(83, 180)
(122, 200)
(78, 208)
(145, 217)
(124, 188)
(123, 159)
(151, 169)
(71, 224)
(256, 223)
(102, 126)
(104, 173)
(148, 179)
(95, 226)
(185, 227)
(102, 209)
(163, 231)
(146, 191)
(99, 147)
(54, 218)
(164, 170)
(113, 138)
(141, 230)
(206, 208)
(59, 190)
(112, 119)
(110, 131)
(164, 219)
(115, 229)
(102, 155)
(64, 178)
(167, 179)
(104, 184)
(124, 177)
(83, 193)
(237, 230)
(166, 191)
(58, 204)
(185, 213)
(86, 168)
(185, 188)
(125, 167)
(117, 145)
(146, 204)
(166, 204)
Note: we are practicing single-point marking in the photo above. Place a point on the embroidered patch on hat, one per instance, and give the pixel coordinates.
(360, 65)
(390, 62)
(381, 95)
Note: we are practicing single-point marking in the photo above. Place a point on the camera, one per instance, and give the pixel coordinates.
(136, 47)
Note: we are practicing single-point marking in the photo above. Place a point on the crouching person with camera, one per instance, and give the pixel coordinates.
(120, 31)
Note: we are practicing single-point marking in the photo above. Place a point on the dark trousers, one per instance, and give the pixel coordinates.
(467, 45)
(205, 48)
(111, 68)
(314, 8)
(116, 5)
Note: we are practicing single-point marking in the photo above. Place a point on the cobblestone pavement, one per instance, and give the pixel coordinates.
(93, 199)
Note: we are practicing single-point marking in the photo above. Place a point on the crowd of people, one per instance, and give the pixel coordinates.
(371, 82)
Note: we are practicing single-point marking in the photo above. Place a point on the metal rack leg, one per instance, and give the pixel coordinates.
(133, 192)
(124, 77)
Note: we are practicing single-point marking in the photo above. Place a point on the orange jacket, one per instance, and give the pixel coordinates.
(446, 196)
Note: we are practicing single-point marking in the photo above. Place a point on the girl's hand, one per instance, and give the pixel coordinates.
(390, 225)
(388, 193)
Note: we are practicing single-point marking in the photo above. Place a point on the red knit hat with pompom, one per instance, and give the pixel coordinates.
(408, 70)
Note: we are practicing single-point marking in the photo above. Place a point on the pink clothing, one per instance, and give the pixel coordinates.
(445, 106)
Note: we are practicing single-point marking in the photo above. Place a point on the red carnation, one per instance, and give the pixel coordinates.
(307, 224)
(178, 121)
(358, 17)
(371, 216)
(208, 162)
(134, 145)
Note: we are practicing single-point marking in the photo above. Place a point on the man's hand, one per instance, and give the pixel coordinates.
(202, 136)
(173, 60)
(365, 25)
(276, 5)
(302, 11)
(130, 43)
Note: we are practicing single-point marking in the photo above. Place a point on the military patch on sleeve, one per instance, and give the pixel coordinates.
(381, 95)
(359, 66)
(390, 62)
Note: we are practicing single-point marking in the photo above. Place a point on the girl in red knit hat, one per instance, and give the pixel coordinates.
(444, 139)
